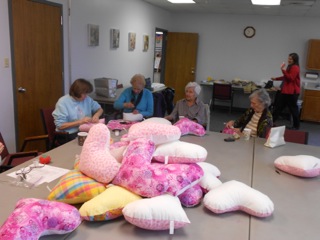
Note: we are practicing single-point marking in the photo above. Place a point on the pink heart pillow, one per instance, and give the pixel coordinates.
(188, 126)
(138, 175)
(33, 218)
(95, 158)
(157, 132)
(86, 126)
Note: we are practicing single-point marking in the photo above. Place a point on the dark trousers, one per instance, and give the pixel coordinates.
(289, 100)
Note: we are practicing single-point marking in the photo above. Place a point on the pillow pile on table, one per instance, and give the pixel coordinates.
(148, 176)
(151, 169)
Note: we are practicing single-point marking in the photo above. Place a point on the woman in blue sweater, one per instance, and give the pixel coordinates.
(136, 99)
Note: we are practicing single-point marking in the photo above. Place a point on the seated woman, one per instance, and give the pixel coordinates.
(190, 107)
(136, 99)
(258, 117)
(76, 108)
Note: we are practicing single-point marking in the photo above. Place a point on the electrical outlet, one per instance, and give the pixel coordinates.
(6, 62)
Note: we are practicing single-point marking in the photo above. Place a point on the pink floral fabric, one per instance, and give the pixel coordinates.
(86, 127)
(188, 126)
(95, 158)
(33, 218)
(157, 132)
(192, 196)
(119, 124)
(138, 175)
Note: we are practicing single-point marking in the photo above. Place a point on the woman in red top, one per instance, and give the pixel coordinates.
(290, 89)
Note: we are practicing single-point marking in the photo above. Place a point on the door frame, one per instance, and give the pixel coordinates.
(163, 52)
(13, 69)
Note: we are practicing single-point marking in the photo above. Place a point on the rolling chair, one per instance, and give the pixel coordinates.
(10, 160)
(222, 92)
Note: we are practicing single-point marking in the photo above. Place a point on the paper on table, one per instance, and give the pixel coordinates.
(38, 176)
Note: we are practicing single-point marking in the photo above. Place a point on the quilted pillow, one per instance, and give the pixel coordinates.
(180, 152)
(192, 196)
(95, 158)
(300, 165)
(188, 126)
(158, 213)
(138, 175)
(33, 218)
(210, 178)
(108, 205)
(119, 124)
(86, 126)
(234, 195)
(75, 187)
(157, 132)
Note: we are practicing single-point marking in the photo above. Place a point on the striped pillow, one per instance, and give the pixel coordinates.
(75, 187)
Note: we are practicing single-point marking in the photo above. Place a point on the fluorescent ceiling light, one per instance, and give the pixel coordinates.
(181, 1)
(160, 33)
(266, 2)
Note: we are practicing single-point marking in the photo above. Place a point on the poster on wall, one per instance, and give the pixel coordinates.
(145, 43)
(93, 35)
(115, 38)
(132, 41)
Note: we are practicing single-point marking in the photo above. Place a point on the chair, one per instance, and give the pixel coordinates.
(222, 92)
(14, 159)
(207, 106)
(296, 136)
(50, 129)
(159, 105)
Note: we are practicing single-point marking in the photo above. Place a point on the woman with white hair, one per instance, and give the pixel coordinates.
(191, 106)
(258, 117)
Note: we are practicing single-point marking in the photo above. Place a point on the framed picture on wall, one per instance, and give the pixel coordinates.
(145, 43)
(115, 38)
(93, 35)
(132, 41)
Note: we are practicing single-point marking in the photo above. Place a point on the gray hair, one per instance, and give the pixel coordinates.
(196, 86)
(263, 97)
(138, 78)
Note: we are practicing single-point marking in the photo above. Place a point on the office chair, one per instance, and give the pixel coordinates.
(50, 129)
(14, 159)
(222, 92)
(296, 136)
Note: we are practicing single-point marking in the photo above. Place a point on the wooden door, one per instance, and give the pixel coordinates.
(181, 59)
(37, 63)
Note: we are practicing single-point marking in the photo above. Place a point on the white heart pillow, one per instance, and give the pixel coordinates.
(157, 213)
(234, 195)
(210, 178)
(300, 165)
(157, 132)
(180, 152)
(158, 120)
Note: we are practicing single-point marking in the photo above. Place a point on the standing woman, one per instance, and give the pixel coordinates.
(290, 89)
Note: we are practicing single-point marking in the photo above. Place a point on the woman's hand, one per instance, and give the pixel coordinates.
(135, 111)
(128, 105)
(86, 120)
(95, 119)
(283, 65)
(229, 124)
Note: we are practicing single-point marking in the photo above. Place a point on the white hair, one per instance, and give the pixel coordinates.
(196, 86)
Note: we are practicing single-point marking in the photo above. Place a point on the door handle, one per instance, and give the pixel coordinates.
(21, 90)
(192, 71)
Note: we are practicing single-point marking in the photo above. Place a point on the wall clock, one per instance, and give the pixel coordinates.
(249, 32)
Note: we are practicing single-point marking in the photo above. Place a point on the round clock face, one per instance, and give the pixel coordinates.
(249, 32)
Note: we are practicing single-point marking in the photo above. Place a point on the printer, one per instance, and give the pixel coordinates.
(106, 87)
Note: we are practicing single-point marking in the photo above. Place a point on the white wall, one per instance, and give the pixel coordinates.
(103, 61)
(224, 52)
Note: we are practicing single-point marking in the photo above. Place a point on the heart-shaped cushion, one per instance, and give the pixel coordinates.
(180, 152)
(147, 179)
(95, 158)
(188, 126)
(300, 165)
(233, 195)
(33, 218)
(158, 213)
